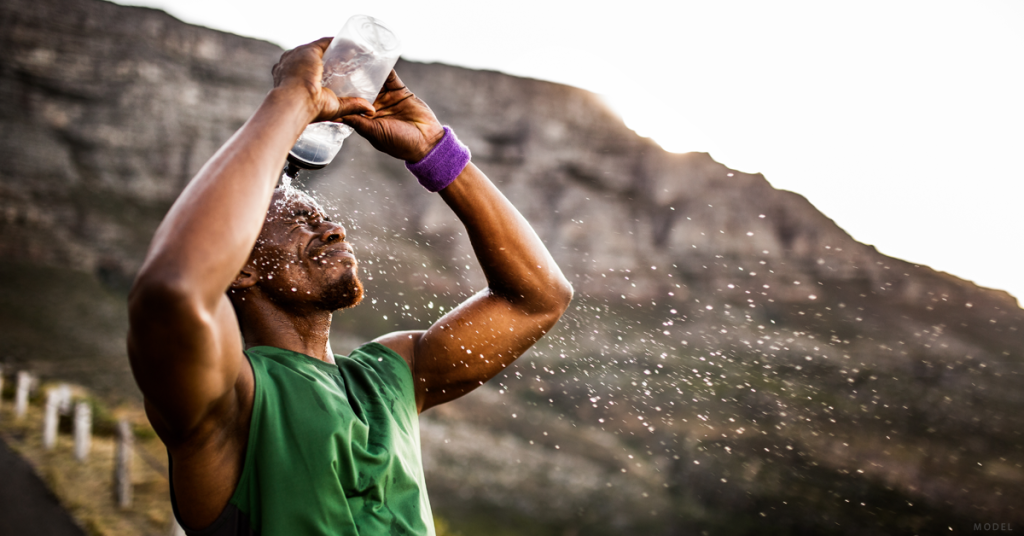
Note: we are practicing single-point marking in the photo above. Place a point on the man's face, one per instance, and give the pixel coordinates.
(302, 257)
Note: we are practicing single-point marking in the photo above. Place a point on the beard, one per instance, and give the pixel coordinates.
(343, 293)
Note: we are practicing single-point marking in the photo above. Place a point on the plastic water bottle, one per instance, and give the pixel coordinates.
(355, 65)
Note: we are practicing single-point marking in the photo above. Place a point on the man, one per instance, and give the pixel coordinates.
(281, 436)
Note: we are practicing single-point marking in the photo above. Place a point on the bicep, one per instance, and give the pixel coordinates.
(472, 344)
(185, 358)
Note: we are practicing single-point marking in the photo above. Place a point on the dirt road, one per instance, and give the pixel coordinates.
(26, 506)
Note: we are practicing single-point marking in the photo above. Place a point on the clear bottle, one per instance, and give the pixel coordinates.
(355, 65)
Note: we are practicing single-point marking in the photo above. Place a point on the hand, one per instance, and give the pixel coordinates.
(402, 126)
(301, 69)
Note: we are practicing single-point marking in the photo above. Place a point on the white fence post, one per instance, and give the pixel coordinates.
(21, 394)
(57, 400)
(50, 419)
(64, 399)
(83, 430)
(176, 529)
(123, 464)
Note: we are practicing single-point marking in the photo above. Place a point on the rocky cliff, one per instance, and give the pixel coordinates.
(734, 362)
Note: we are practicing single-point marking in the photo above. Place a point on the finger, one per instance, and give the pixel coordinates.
(363, 126)
(392, 91)
(389, 83)
(322, 43)
(298, 56)
(332, 107)
(319, 46)
(354, 105)
(393, 82)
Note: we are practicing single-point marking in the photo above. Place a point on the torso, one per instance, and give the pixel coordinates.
(347, 431)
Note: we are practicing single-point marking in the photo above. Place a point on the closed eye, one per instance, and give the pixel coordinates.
(308, 218)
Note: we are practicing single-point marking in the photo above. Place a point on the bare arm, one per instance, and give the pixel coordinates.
(526, 292)
(184, 341)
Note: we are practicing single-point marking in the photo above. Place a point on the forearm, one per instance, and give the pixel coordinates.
(527, 292)
(209, 232)
(517, 265)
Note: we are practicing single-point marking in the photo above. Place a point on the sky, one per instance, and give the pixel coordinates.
(903, 121)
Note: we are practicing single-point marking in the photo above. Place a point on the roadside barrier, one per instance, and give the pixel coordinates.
(61, 401)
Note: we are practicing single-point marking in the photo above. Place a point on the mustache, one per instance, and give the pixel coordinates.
(322, 251)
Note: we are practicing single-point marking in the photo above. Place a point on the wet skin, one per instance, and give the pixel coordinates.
(223, 263)
(303, 265)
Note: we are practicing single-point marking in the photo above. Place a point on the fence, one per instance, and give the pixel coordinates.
(60, 401)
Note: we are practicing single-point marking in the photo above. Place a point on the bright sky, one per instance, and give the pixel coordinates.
(901, 120)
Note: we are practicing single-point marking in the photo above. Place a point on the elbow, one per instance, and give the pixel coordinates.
(555, 304)
(557, 297)
(549, 297)
(563, 294)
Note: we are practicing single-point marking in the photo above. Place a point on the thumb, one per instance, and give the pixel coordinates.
(354, 105)
(334, 107)
(364, 126)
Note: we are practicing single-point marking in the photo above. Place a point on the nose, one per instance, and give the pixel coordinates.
(332, 233)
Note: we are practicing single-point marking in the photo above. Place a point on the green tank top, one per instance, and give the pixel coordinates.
(333, 449)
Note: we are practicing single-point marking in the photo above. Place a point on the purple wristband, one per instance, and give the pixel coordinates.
(442, 164)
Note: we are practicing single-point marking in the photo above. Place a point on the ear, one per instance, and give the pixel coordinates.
(246, 278)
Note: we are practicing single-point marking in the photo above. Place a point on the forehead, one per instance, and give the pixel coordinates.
(289, 203)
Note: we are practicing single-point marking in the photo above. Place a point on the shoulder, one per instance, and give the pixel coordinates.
(402, 343)
(380, 362)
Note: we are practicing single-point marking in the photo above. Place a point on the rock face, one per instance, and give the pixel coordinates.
(108, 111)
(734, 360)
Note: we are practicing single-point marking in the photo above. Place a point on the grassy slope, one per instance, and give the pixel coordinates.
(65, 325)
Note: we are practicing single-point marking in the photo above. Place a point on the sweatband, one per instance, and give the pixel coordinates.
(442, 164)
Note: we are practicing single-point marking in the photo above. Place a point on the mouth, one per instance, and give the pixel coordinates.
(344, 252)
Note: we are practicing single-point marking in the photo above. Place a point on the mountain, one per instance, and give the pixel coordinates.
(734, 362)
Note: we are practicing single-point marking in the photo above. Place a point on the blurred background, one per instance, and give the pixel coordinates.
(735, 362)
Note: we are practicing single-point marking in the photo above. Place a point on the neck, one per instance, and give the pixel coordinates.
(264, 324)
